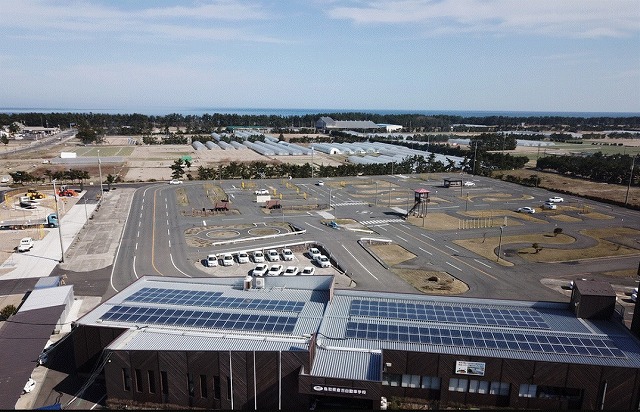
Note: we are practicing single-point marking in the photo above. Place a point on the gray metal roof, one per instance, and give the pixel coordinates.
(341, 364)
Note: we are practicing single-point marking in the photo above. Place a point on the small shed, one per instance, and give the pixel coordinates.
(452, 182)
(592, 299)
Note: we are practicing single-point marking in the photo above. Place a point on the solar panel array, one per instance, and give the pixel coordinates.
(200, 319)
(530, 342)
(211, 300)
(447, 313)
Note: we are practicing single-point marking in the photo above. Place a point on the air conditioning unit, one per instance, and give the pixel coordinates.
(259, 283)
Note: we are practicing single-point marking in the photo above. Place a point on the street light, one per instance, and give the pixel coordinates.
(633, 164)
(500, 244)
(100, 171)
(55, 197)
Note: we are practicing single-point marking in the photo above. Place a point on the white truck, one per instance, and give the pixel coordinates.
(26, 244)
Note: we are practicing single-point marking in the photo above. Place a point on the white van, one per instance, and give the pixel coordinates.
(212, 260)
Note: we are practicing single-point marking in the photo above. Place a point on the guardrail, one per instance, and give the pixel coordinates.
(250, 239)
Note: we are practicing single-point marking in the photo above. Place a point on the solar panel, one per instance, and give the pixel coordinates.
(514, 318)
(203, 319)
(529, 342)
(210, 300)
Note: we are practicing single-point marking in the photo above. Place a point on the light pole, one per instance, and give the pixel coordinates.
(500, 244)
(100, 172)
(312, 162)
(55, 198)
(376, 193)
(633, 164)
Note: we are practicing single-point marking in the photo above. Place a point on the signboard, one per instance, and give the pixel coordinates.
(338, 389)
(470, 368)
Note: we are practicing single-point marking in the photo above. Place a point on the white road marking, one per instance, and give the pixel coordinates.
(454, 266)
(174, 265)
(134, 267)
(483, 264)
(449, 247)
(425, 251)
(354, 258)
(204, 223)
(430, 238)
(317, 228)
(400, 237)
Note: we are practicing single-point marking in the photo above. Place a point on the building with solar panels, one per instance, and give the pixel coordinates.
(295, 343)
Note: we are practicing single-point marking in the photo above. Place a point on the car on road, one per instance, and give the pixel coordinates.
(320, 183)
(555, 199)
(227, 260)
(549, 206)
(308, 271)
(634, 297)
(260, 270)
(314, 252)
(243, 257)
(323, 261)
(275, 270)
(26, 244)
(273, 256)
(212, 260)
(469, 183)
(175, 182)
(526, 209)
(261, 192)
(287, 254)
(258, 256)
(291, 271)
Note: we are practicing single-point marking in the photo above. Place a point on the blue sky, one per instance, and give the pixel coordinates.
(516, 55)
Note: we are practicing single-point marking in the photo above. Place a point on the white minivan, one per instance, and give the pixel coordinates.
(212, 260)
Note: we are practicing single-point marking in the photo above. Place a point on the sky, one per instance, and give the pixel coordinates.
(161, 55)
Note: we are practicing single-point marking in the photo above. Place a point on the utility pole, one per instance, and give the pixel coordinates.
(633, 164)
(100, 172)
(500, 244)
(55, 198)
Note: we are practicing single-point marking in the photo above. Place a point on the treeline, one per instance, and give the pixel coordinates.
(139, 124)
(597, 167)
(70, 175)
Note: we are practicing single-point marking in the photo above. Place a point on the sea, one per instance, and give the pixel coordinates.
(199, 111)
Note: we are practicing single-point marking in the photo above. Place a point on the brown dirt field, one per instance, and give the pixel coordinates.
(392, 254)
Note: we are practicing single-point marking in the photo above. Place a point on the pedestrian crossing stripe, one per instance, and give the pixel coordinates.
(350, 204)
(380, 221)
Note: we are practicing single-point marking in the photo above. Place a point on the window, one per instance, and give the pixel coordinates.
(410, 381)
(458, 385)
(138, 373)
(527, 390)
(392, 379)
(164, 382)
(216, 387)
(126, 379)
(228, 388)
(203, 386)
(483, 387)
(473, 386)
(499, 388)
(152, 381)
(190, 387)
(430, 382)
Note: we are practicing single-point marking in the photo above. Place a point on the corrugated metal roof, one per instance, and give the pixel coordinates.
(365, 366)
(47, 297)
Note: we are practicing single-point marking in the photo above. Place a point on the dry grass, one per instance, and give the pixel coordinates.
(444, 283)
(392, 254)
(565, 218)
(596, 215)
(436, 221)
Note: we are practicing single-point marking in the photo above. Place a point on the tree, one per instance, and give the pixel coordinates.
(88, 135)
(178, 169)
(7, 311)
(537, 247)
(4, 139)
(111, 179)
(557, 231)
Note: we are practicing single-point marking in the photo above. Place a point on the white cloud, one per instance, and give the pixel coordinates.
(562, 18)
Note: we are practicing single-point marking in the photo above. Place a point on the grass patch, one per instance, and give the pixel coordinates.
(436, 221)
(596, 215)
(564, 218)
(392, 254)
(431, 282)
(181, 195)
(625, 273)
(214, 192)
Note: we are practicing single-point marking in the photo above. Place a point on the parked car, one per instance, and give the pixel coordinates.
(319, 183)
(261, 192)
(308, 270)
(323, 261)
(634, 297)
(26, 244)
(227, 260)
(287, 254)
(243, 257)
(175, 182)
(273, 256)
(555, 199)
(291, 271)
(469, 183)
(276, 270)
(260, 270)
(314, 252)
(526, 209)
(258, 256)
(549, 206)
(212, 260)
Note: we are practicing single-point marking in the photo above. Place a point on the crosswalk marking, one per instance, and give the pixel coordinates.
(380, 221)
(354, 203)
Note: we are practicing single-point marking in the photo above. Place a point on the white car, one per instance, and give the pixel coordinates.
(308, 271)
(291, 271)
(555, 199)
(634, 297)
(319, 183)
(276, 270)
(260, 270)
(549, 206)
(258, 256)
(227, 260)
(314, 252)
(212, 260)
(323, 261)
(273, 256)
(26, 244)
(30, 386)
(261, 192)
(469, 183)
(243, 257)
(287, 254)
(175, 182)
(526, 209)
